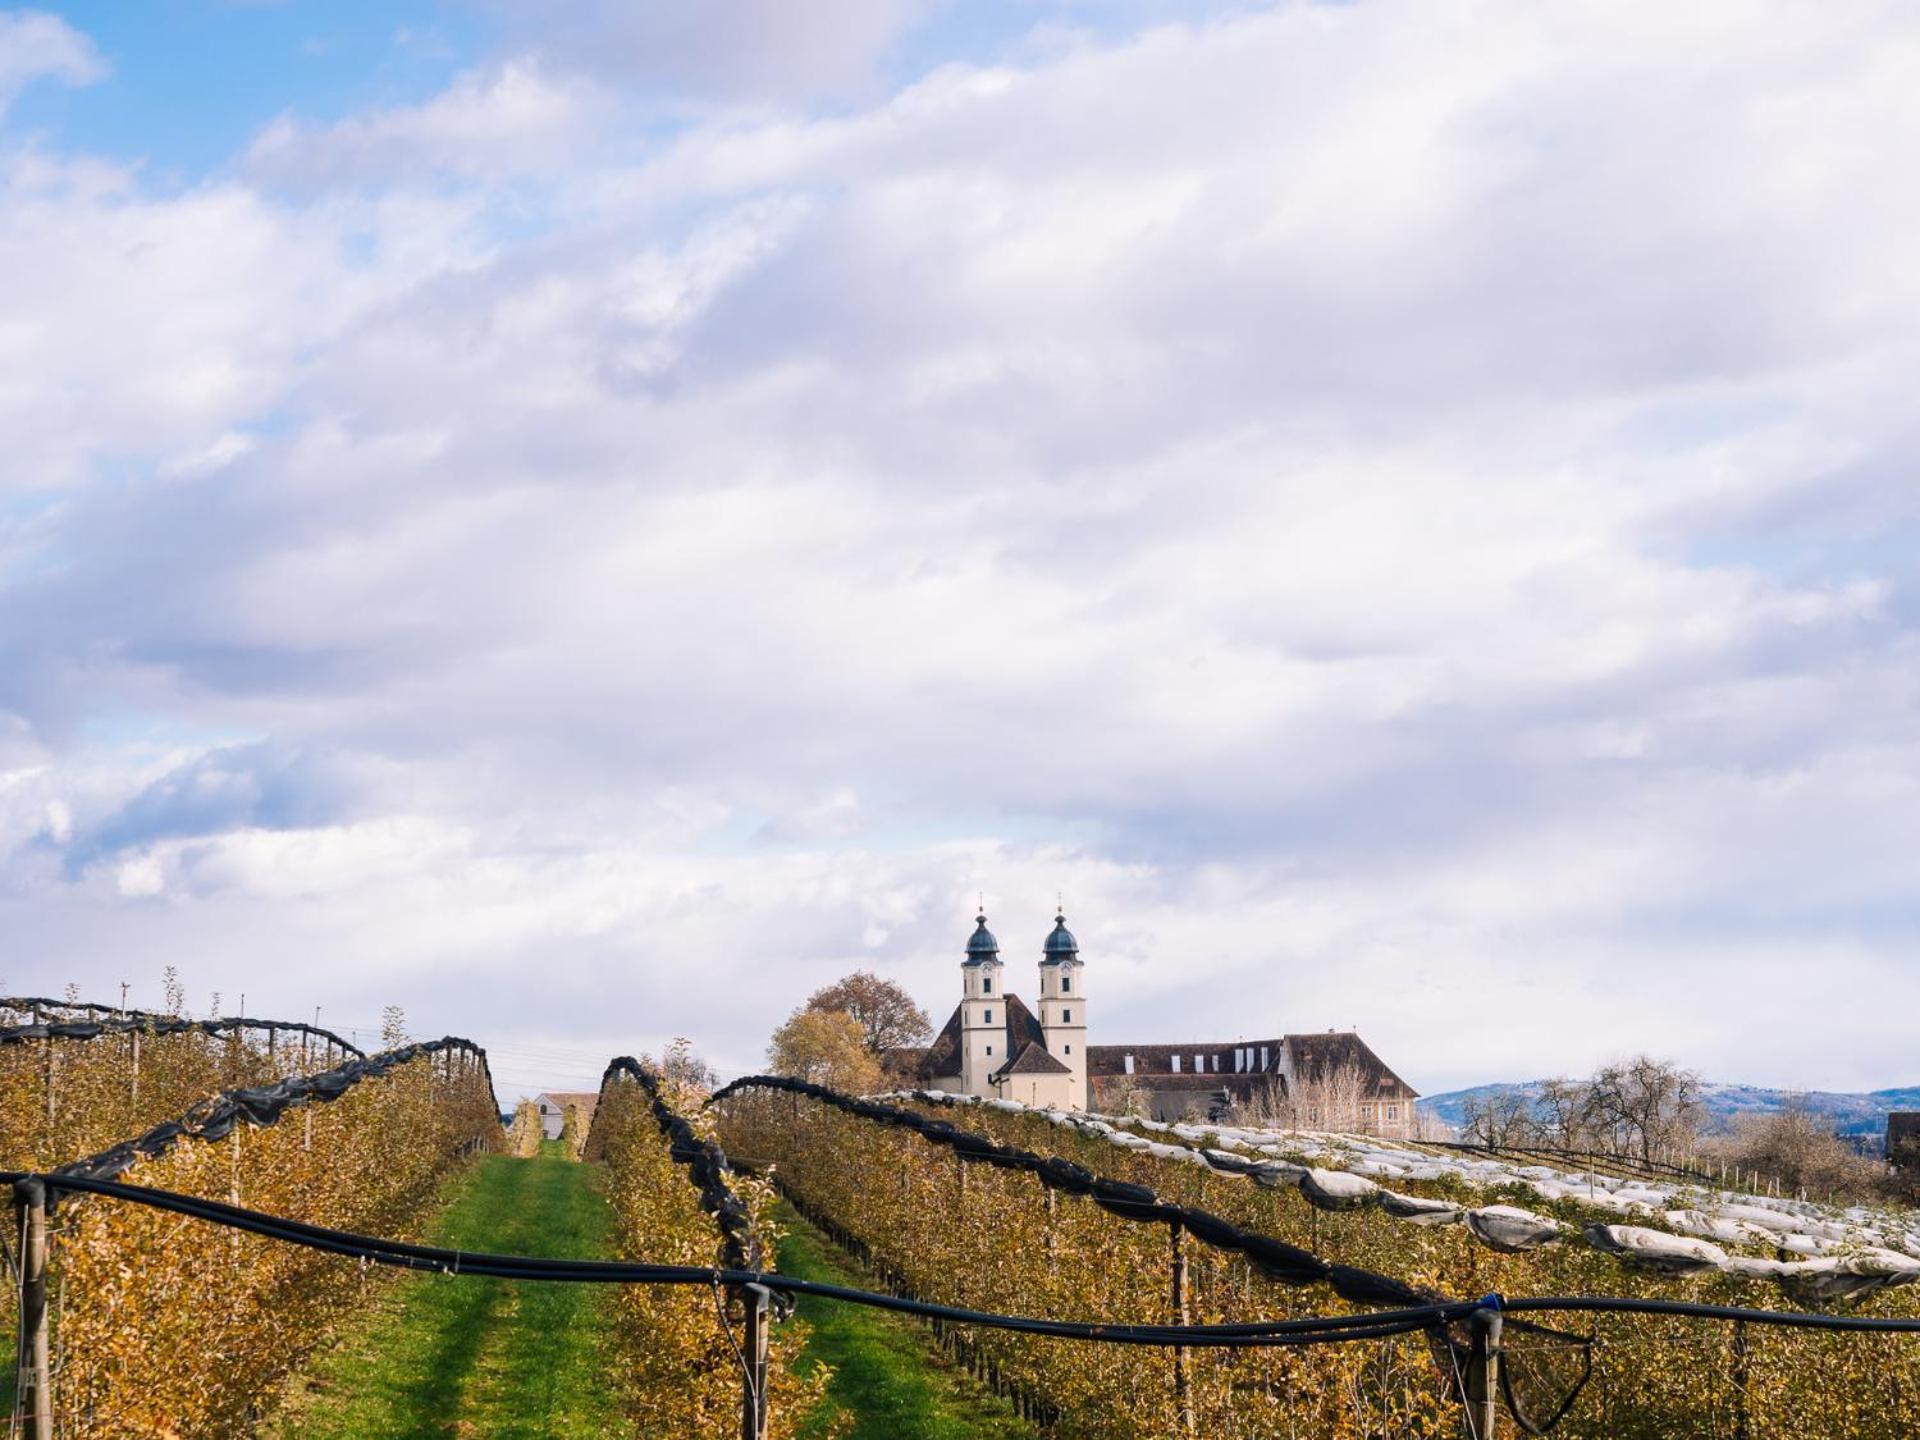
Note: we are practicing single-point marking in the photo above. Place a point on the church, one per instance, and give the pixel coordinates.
(994, 1045)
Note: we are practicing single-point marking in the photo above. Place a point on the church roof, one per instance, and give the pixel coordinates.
(981, 946)
(1020, 1028)
(1033, 1059)
(1060, 944)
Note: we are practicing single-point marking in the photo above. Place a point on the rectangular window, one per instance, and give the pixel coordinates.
(1066, 984)
(1176, 1064)
(1199, 1064)
(989, 1049)
(1066, 1017)
(1263, 1057)
(1069, 1049)
(1390, 1112)
(1129, 1065)
(986, 984)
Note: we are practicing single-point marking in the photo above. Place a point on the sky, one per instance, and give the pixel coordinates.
(590, 521)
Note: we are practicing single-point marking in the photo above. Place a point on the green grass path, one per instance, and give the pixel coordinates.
(888, 1374)
(461, 1356)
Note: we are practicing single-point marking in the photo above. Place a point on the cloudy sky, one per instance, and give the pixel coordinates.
(589, 521)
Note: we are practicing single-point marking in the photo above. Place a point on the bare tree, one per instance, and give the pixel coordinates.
(1339, 1097)
(1500, 1121)
(1561, 1117)
(885, 1013)
(1801, 1151)
(1638, 1106)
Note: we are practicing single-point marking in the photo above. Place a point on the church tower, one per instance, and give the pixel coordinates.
(983, 1011)
(1063, 1006)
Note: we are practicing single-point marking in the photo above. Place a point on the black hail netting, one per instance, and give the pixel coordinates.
(706, 1165)
(215, 1117)
(1545, 1369)
(148, 1024)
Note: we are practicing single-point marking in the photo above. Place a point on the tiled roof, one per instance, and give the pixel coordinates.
(1033, 1059)
(1312, 1055)
(942, 1058)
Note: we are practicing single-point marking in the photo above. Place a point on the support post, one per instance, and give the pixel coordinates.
(1182, 1355)
(1741, 1378)
(753, 1391)
(35, 1373)
(1483, 1371)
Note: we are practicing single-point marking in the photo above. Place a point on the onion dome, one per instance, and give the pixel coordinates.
(982, 948)
(1060, 944)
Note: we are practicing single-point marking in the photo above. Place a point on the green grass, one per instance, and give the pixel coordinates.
(459, 1356)
(888, 1374)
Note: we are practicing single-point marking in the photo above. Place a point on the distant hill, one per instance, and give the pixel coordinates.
(1852, 1114)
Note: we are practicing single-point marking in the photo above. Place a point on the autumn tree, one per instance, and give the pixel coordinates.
(885, 1013)
(827, 1047)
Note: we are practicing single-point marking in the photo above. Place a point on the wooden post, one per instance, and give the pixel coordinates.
(50, 1072)
(753, 1390)
(136, 1067)
(1182, 1355)
(1740, 1378)
(1483, 1374)
(36, 1374)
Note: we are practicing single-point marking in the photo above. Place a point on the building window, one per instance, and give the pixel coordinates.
(1066, 984)
(986, 1017)
(1199, 1064)
(1069, 1049)
(1066, 1017)
(1263, 1057)
(1389, 1112)
(1129, 1065)
(1176, 1064)
(989, 1049)
(986, 984)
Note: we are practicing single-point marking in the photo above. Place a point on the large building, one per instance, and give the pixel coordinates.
(995, 1045)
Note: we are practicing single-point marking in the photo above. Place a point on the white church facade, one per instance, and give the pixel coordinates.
(995, 1046)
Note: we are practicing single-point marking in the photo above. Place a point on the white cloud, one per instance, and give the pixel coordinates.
(36, 45)
(1399, 511)
(515, 120)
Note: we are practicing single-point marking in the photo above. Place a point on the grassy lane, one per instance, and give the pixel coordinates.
(888, 1374)
(451, 1355)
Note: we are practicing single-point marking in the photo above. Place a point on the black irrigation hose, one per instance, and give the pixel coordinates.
(214, 1118)
(1326, 1330)
(1687, 1309)
(706, 1165)
(143, 1023)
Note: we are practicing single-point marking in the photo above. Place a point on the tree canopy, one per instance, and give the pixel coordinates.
(827, 1047)
(884, 1012)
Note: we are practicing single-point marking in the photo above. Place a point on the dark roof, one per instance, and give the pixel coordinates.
(942, 1058)
(981, 946)
(1158, 1059)
(1316, 1054)
(1033, 1059)
(1311, 1055)
(1060, 944)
